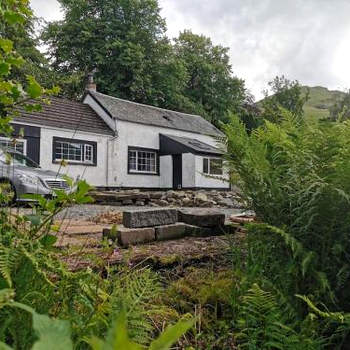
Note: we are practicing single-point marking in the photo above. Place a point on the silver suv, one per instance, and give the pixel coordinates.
(21, 175)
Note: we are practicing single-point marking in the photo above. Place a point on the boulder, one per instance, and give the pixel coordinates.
(200, 197)
(186, 202)
(156, 195)
(127, 236)
(167, 232)
(202, 217)
(149, 218)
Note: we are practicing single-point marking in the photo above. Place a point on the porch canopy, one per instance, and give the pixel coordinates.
(170, 145)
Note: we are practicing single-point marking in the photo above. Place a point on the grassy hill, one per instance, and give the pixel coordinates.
(320, 100)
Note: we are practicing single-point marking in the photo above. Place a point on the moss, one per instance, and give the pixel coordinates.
(167, 260)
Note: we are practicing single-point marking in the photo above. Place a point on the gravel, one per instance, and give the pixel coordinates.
(91, 210)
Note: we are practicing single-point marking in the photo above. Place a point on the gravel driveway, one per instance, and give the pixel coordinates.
(91, 210)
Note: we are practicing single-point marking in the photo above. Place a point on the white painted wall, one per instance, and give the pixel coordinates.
(166, 172)
(94, 175)
(139, 135)
(188, 170)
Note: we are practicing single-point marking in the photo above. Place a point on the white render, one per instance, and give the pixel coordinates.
(94, 175)
(145, 136)
(111, 170)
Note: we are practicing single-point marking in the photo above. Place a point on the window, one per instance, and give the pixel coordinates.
(74, 151)
(20, 145)
(143, 161)
(212, 166)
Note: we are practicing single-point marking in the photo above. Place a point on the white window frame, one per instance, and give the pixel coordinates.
(84, 147)
(10, 143)
(209, 166)
(140, 150)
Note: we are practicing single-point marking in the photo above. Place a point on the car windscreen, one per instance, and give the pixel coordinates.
(15, 158)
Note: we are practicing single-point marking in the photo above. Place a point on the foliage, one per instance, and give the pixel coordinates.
(265, 322)
(285, 94)
(341, 108)
(296, 178)
(210, 85)
(122, 40)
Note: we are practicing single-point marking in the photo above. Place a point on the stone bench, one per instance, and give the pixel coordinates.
(144, 226)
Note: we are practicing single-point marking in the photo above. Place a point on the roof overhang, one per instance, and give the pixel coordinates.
(170, 144)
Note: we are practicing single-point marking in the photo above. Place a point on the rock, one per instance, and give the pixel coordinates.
(170, 194)
(149, 218)
(179, 194)
(162, 203)
(127, 236)
(128, 202)
(167, 232)
(171, 200)
(202, 217)
(186, 202)
(227, 202)
(152, 204)
(140, 203)
(156, 195)
(200, 198)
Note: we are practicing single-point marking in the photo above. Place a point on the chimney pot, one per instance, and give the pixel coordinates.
(91, 86)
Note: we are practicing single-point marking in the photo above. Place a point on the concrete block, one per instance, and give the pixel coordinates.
(127, 236)
(149, 218)
(202, 217)
(175, 231)
(196, 231)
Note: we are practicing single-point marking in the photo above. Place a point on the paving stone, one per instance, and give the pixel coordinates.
(196, 231)
(149, 218)
(202, 218)
(167, 232)
(131, 236)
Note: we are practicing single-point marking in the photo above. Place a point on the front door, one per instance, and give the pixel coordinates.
(177, 171)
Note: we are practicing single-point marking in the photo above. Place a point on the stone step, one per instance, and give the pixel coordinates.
(168, 232)
(202, 217)
(149, 218)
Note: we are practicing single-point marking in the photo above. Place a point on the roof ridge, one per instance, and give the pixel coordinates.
(149, 106)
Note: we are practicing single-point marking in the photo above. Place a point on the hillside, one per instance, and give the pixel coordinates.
(320, 100)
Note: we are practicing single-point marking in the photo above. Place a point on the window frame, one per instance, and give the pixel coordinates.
(142, 172)
(9, 140)
(92, 145)
(209, 160)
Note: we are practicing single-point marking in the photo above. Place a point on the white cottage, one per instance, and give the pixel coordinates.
(114, 143)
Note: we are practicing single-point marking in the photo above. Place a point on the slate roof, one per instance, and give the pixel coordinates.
(150, 115)
(63, 113)
(188, 144)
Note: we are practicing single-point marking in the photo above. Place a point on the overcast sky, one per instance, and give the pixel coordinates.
(307, 40)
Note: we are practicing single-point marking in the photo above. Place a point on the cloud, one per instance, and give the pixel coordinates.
(306, 40)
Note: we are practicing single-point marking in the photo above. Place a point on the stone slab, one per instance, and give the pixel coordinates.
(127, 236)
(149, 218)
(202, 217)
(167, 232)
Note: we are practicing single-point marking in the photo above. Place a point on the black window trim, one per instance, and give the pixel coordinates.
(85, 142)
(209, 166)
(135, 148)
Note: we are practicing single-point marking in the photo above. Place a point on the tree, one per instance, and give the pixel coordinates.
(14, 14)
(211, 88)
(25, 44)
(286, 94)
(341, 108)
(124, 41)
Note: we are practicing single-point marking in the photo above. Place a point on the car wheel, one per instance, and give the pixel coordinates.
(8, 194)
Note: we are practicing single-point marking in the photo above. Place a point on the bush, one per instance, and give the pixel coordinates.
(296, 177)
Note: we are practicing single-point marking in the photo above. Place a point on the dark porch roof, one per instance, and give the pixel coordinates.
(170, 144)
